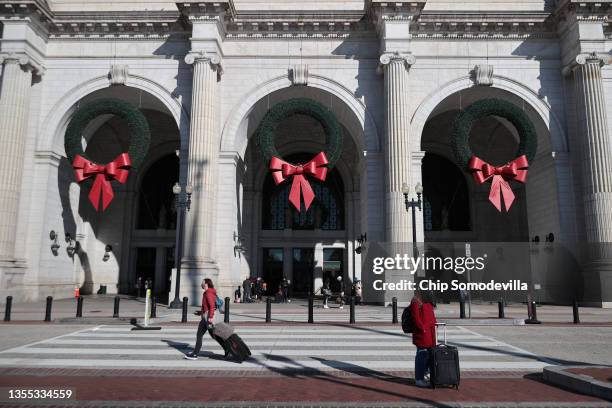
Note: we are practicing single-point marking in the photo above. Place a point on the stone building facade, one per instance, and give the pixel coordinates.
(204, 74)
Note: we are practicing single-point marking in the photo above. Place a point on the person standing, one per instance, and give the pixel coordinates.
(206, 314)
(285, 289)
(246, 290)
(423, 335)
(326, 292)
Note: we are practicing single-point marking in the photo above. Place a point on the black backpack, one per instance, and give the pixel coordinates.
(407, 320)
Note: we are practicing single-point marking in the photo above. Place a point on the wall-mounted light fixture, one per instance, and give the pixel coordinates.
(536, 239)
(550, 237)
(54, 246)
(238, 246)
(73, 245)
(361, 240)
(107, 250)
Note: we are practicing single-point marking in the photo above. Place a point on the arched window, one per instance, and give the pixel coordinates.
(155, 198)
(445, 194)
(326, 211)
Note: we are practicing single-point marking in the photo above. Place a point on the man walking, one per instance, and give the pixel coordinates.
(206, 314)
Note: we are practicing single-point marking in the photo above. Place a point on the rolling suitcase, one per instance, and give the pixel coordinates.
(445, 364)
(224, 334)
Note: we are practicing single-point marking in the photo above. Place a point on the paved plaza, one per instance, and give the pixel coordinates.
(330, 363)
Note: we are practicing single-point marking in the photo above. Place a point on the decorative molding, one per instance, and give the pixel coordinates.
(395, 57)
(211, 58)
(483, 74)
(118, 74)
(25, 61)
(298, 74)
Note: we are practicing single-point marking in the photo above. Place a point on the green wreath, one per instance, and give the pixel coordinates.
(267, 128)
(463, 123)
(140, 135)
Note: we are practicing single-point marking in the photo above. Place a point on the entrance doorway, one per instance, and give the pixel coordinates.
(333, 268)
(303, 270)
(272, 269)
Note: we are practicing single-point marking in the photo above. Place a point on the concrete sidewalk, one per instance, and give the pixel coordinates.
(99, 309)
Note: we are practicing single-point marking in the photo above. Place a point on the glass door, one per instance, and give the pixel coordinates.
(272, 269)
(303, 269)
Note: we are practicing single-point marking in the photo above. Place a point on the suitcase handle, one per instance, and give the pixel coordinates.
(443, 325)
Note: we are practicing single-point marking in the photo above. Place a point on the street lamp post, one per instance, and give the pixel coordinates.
(414, 204)
(181, 204)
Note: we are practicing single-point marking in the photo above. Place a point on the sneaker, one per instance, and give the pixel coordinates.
(325, 307)
(422, 383)
(288, 300)
(341, 307)
(427, 377)
(190, 356)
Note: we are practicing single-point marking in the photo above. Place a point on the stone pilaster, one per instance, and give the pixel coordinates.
(199, 247)
(596, 147)
(14, 106)
(396, 144)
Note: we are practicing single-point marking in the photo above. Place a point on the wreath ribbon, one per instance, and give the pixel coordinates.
(281, 171)
(515, 170)
(104, 174)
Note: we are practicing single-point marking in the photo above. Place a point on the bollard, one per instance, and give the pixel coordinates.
(500, 308)
(7, 309)
(116, 307)
(462, 309)
(184, 317)
(154, 307)
(394, 308)
(226, 310)
(576, 312)
(48, 308)
(310, 309)
(79, 312)
(352, 314)
(533, 314)
(268, 309)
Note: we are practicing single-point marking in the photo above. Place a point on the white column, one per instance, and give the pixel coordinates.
(396, 144)
(596, 148)
(14, 106)
(199, 246)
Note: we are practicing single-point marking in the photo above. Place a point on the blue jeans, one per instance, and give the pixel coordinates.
(421, 363)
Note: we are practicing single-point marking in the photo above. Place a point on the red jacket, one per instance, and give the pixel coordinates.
(209, 298)
(424, 324)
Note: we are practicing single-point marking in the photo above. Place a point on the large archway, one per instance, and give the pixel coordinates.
(279, 241)
(110, 240)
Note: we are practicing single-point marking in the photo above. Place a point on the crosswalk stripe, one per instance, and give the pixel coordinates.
(173, 351)
(273, 347)
(354, 336)
(296, 343)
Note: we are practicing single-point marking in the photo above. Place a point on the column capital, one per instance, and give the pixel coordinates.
(24, 60)
(588, 58)
(212, 58)
(394, 58)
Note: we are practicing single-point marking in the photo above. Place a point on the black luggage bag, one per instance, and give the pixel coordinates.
(224, 335)
(445, 365)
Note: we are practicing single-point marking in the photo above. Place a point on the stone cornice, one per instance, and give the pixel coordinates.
(24, 60)
(589, 10)
(395, 10)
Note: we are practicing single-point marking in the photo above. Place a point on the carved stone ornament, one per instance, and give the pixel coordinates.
(483, 74)
(298, 75)
(25, 61)
(587, 58)
(388, 58)
(118, 74)
(211, 58)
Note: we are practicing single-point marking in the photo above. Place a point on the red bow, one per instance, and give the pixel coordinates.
(515, 170)
(115, 170)
(281, 170)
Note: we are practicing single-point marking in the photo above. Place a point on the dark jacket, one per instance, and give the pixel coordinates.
(209, 298)
(424, 324)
